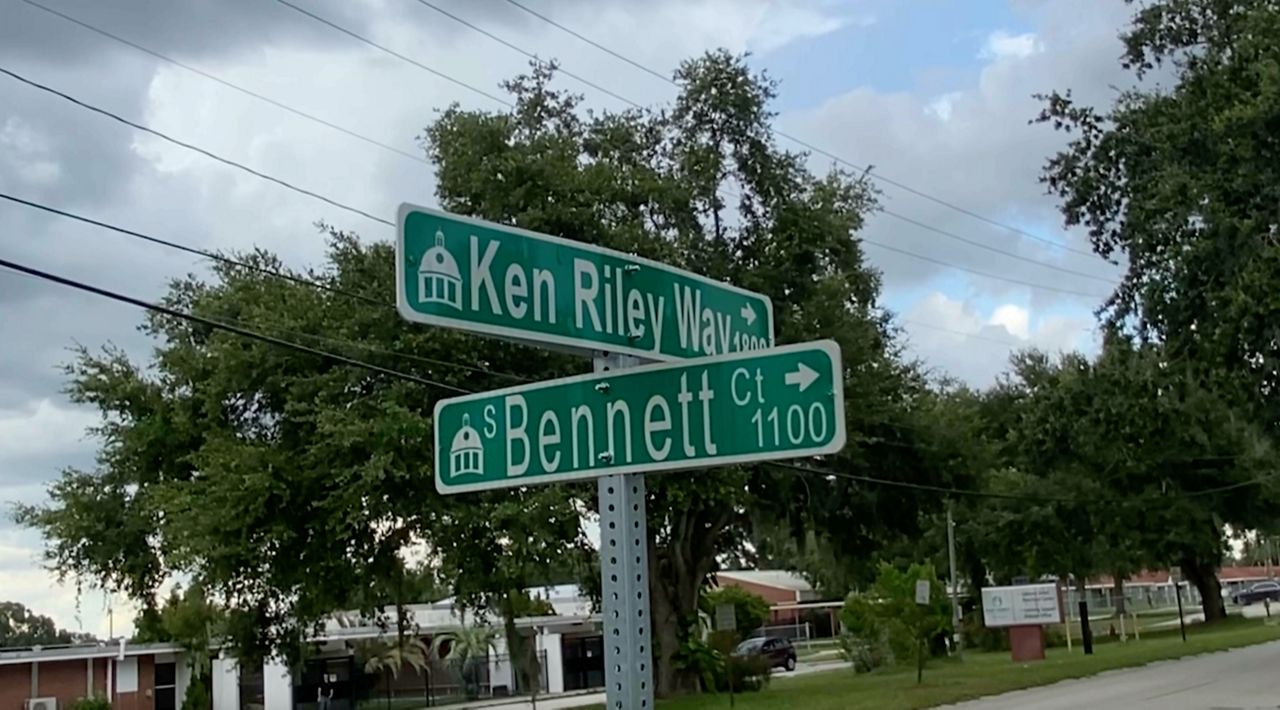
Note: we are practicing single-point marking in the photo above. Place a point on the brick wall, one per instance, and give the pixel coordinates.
(15, 685)
(67, 681)
(144, 699)
(773, 595)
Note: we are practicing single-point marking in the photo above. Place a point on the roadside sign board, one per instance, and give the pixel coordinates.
(922, 591)
(1022, 605)
(780, 403)
(726, 618)
(491, 279)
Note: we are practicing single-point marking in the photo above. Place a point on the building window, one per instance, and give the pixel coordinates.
(166, 686)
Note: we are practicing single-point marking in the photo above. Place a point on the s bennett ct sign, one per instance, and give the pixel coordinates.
(783, 402)
(491, 279)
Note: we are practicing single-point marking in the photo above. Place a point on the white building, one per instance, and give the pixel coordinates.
(569, 645)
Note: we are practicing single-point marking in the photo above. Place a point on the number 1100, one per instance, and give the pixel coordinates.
(801, 426)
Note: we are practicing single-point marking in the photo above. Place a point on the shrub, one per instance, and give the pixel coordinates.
(747, 673)
(866, 653)
(97, 702)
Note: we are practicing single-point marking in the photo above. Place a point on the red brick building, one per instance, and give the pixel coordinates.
(793, 602)
(130, 676)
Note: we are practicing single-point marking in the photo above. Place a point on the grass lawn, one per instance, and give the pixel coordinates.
(979, 674)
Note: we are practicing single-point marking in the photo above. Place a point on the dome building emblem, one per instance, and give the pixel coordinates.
(439, 280)
(466, 455)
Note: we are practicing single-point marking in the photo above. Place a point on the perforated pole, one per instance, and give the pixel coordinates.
(624, 572)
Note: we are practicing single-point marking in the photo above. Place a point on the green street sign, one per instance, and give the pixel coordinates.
(781, 403)
(487, 278)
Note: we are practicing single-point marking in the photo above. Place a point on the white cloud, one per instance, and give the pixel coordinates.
(1002, 45)
(957, 339)
(42, 429)
(1014, 318)
(942, 105)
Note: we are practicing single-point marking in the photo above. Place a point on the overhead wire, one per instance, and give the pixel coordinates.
(234, 329)
(291, 278)
(363, 213)
(299, 280)
(394, 53)
(241, 331)
(906, 252)
(805, 144)
(230, 85)
(189, 146)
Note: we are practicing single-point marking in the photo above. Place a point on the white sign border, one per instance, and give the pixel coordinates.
(830, 347)
(1057, 596)
(534, 338)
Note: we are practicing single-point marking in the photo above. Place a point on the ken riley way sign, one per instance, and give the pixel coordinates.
(491, 279)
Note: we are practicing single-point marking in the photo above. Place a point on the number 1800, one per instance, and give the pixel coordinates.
(802, 426)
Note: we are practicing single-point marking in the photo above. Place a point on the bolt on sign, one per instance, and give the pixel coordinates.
(492, 279)
(780, 403)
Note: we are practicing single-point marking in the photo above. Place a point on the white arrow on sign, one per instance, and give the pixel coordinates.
(803, 376)
(748, 314)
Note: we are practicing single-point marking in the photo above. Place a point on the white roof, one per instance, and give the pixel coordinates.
(112, 649)
(776, 578)
(568, 601)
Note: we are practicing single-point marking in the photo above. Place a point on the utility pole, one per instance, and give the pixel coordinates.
(956, 616)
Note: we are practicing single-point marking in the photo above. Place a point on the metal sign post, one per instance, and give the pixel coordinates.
(624, 576)
(724, 395)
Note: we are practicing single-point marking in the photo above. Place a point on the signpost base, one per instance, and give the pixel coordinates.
(624, 574)
(1026, 643)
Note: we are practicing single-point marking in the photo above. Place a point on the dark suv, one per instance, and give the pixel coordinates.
(779, 652)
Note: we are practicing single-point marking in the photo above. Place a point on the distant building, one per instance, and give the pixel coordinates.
(796, 610)
(129, 676)
(570, 647)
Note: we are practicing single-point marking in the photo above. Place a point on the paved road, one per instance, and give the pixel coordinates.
(1244, 679)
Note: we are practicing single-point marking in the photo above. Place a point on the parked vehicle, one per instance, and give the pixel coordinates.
(1258, 592)
(779, 652)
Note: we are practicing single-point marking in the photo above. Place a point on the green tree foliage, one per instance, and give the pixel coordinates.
(887, 613)
(703, 187)
(290, 486)
(750, 611)
(19, 627)
(1181, 177)
(1153, 462)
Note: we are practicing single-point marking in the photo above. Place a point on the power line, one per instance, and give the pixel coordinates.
(807, 145)
(229, 85)
(217, 325)
(392, 52)
(827, 473)
(987, 274)
(343, 360)
(354, 210)
(936, 230)
(214, 256)
(581, 79)
(997, 250)
(301, 281)
(191, 147)
(298, 280)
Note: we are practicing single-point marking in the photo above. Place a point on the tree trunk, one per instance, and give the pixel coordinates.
(676, 572)
(1117, 593)
(521, 651)
(1204, 575)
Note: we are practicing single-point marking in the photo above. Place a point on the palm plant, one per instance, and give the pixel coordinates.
(467, 646)
(387, 657)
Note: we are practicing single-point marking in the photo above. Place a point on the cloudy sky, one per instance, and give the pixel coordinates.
(935, 94)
